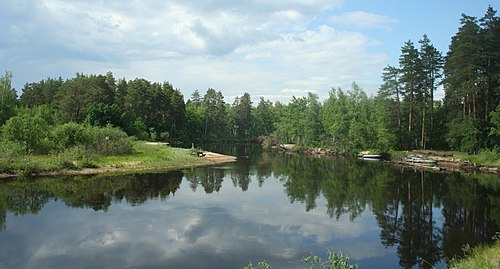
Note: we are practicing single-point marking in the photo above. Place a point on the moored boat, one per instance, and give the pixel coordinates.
(419, 160)
(372, 156)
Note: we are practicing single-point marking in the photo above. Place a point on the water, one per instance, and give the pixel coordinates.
(271, 207)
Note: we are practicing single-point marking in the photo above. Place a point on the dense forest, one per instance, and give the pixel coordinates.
(404, 114)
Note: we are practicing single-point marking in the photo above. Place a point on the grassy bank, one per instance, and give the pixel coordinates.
(487, 161)
(485, 157)
(483, 257)
(143, 157)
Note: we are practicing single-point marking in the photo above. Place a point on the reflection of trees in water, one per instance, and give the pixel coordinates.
(409, 223)
(345, 184)
(470, 211)
(29, 196)
(210, 178)
(402, 201)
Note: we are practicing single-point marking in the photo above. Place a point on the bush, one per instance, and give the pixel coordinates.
(69, 135)
(109, 141)
(75, 157)
(28, 129)
(11, 154)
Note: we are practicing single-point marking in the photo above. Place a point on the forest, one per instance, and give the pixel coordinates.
(49, 115)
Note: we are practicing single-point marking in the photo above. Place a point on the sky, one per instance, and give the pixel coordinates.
(274, 49)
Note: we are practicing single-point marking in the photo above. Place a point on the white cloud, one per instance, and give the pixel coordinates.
(257, 46)
(362, 19)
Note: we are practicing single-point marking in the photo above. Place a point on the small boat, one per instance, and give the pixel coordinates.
(371, 159)
(372, 156)
(419, 160)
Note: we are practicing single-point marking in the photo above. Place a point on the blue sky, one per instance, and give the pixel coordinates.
(269, 48)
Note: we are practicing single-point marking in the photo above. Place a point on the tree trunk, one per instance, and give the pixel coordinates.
(410, 121)
(423, 125)
(432, 107)
(399, 119)
(487, 97)
(475, 102)
(422, 142)
(465, 105)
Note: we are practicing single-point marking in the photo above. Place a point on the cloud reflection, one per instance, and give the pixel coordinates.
(190, 230)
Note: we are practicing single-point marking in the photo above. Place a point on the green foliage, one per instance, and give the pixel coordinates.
(75, 157)
(335, 260)
(102, 114)
(242, 116)
(29, 128)
(482, 257)
(495, 125)
(215, 121)
(267, 142)
(8, 98)
(484, 157)
(263, 118)
(69, 135)
(109, 141)
(260, 265)
(335, 120)
(11, 155)
(464, 134)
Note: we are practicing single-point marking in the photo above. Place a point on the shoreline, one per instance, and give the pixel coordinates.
(445, 164)
(210, 158)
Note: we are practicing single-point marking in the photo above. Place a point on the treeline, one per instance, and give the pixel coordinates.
(404, 114)
(467, 118)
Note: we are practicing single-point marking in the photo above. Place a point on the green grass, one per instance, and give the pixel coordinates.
(485, 157)
(144, 157)
(150, 156)
(483, 257)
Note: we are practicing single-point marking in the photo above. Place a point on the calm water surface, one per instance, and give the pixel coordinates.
(274, 207)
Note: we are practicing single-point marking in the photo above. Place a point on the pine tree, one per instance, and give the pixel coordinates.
(462, 67)
(490, 60)
(432, 64)
(391, 90)
(411, 77)
(8, 98)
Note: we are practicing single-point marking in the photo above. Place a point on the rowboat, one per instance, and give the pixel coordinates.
(419, 160)
(371, 156)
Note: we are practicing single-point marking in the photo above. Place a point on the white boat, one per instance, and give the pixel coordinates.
(419, 160)
(372, 156)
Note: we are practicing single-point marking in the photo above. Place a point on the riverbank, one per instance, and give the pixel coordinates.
(488, 162)
(447, 161)
(480, 257)
(146, 157)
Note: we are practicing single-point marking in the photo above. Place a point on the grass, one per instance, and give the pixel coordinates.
(482, 257)
(485, 157)
(150, 156)
(144, 157)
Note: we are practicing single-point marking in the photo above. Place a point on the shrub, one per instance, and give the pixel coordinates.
(75, 157)
(28, 129)
(69, 135)
(109, 141)
(11, 154)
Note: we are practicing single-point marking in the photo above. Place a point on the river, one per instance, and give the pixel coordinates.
(274, 207)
